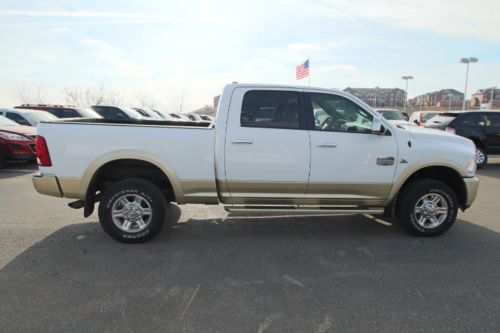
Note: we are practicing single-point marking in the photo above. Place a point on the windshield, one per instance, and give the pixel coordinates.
(89, 113)
(132, 113)
(38, 116)
(392, 115)
(440, 120)
(427, 116)
(7, 122)
(142, 112)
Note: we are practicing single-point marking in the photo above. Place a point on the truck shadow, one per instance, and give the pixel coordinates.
(238, 275)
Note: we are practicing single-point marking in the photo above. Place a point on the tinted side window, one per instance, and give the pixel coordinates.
(110, 112)
(17, 118)
(471, 120)
(338, 114)
(56, 112)
(69, 113)
(271, 109)
(493, 119)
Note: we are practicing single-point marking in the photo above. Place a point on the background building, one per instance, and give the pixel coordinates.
(209, 110)
(484, 96)
(443, 98)
(379, 97)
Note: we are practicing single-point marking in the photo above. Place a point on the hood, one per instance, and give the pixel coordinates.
(434, 135)
(21, 129)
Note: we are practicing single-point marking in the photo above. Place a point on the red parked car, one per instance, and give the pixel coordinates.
(62, 111)
(17, 142)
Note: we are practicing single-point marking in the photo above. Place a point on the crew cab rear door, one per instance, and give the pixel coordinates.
(267, 151)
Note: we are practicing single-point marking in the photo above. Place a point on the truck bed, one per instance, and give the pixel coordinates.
(182, 149)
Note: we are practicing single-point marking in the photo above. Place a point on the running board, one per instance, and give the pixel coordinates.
(296, 210)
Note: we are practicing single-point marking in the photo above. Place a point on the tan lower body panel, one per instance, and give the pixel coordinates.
(71, 188)
(317, 193)
(200, 191)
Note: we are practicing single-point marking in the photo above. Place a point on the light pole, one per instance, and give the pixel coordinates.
(491, 97)
(406, 78)
(467, 61)
(449, 101)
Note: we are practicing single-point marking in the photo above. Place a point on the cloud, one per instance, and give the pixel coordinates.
(116, 17)
(459, 18)
(108, 55)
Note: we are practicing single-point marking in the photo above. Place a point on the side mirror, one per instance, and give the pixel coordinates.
(377, 126)
(416, 122)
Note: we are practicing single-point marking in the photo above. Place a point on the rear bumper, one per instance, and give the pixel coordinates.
(48, 185)
(471, 187)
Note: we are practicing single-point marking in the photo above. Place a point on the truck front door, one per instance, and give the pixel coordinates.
(349, 164)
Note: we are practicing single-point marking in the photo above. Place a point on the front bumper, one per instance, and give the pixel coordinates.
(48, 185)
(471, 187)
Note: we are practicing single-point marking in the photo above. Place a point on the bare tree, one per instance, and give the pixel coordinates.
(146, 101)
(91, 94)
(178, 102)
(32, 93)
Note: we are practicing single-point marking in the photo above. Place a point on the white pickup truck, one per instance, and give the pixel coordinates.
(273, 149)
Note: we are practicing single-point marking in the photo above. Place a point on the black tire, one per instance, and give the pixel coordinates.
(150, 198)
(481, 162)
(411, 195)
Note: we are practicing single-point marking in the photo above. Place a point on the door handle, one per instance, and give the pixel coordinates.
(243, 141)
(327, 145)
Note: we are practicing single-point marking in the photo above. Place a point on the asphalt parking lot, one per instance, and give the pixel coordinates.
(60, 272)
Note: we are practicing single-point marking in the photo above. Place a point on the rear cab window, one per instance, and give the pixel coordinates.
(470, 119)
(271, 109)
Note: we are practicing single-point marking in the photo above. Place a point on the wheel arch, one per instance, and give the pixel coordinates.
(141, 161)
(444, 172)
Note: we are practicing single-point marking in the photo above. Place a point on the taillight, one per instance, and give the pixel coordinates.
(450, 130)
(42, 152)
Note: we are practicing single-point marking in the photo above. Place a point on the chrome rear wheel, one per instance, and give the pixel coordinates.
(131, 213)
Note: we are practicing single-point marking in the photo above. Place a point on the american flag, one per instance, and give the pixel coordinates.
(302, 70)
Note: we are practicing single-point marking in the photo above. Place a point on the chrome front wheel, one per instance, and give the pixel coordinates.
(431, 210)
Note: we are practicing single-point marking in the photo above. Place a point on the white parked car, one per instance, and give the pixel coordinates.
(205, 117)
(27, 117)
(269, 153)
(394, 116)
(420, 118)
(180, 116)
(152, 115)
(194, 117)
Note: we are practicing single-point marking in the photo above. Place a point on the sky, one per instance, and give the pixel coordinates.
(158, 50)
